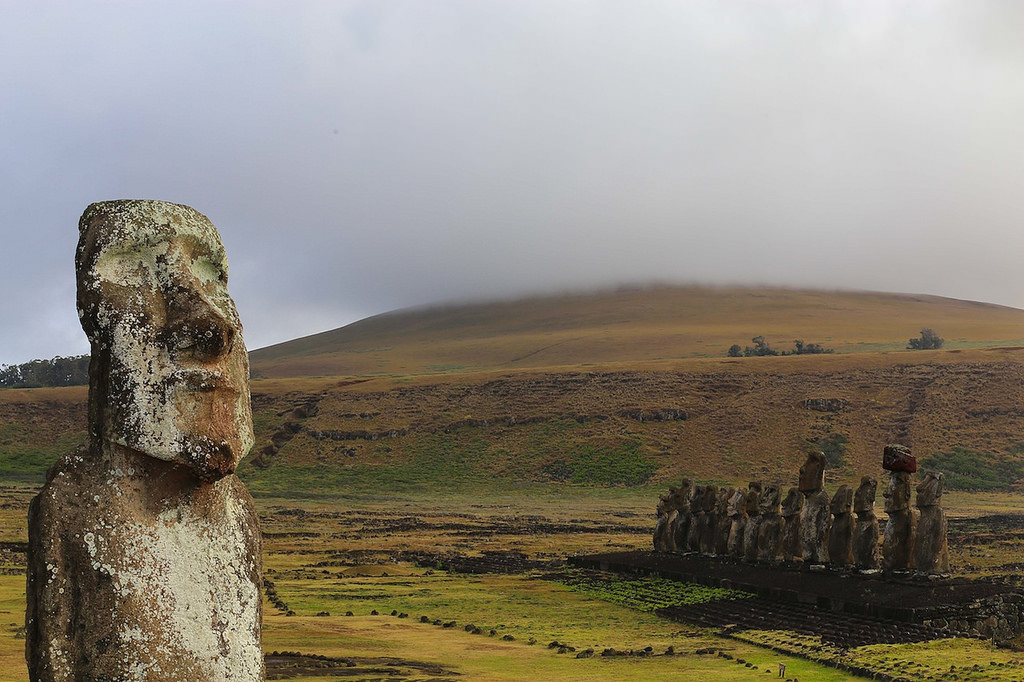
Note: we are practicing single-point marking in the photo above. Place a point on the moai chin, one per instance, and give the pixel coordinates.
(750, 530)
(738, 521)
(144, 549)
(814, 517)
(931, 548)
(791, 508)
(865, 531)
(770, 527)
(724, 521)
(840, 535)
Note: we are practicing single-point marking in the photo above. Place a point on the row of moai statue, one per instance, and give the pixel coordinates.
(757, 524)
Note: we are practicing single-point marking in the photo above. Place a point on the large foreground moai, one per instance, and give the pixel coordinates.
(663, 541)
(931, 548)
(724, 520)
(680, 525)
(865, 531)
(144, 550)
(898, 542)
(738, 522)
(750, 529)
(814, 518)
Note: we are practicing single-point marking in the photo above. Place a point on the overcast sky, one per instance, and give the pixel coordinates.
(359, 157)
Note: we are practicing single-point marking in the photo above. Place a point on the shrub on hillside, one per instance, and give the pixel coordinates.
(762, 348)
(928, 340)
(973, 471)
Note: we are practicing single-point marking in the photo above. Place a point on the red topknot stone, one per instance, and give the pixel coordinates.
(898, 458)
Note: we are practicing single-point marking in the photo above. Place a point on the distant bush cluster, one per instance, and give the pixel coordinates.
(761, 347)
(72, 371)
(928, 340)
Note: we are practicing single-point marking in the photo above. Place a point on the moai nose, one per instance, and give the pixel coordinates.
(196, 329)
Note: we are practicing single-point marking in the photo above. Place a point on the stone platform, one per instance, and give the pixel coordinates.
(918, 608)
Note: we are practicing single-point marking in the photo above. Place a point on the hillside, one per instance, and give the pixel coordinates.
(640, 414)
(627, 326)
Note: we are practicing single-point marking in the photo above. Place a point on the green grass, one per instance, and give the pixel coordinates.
(978, 471)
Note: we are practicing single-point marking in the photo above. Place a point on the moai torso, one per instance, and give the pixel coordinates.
(769, 531)
(684, 516)
(738, 520)
(724, 521)
(791, 508)
(709, 520)
(931, 548)
(696, 519)
(865, 532)
(898, 542)
(144, 549)
(750, 530)
(662, 529)
(840, 535)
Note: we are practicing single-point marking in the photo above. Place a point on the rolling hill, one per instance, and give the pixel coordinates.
(627, 326)
(625, 387)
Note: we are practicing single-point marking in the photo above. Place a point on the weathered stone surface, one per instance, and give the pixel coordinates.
(791, 508)
(738, 517)
(840, 535)
(931, 549)
(898, 458)
(750, 530)
(770, 528)
(144, 549)
(865, 531)
(812, 473)
(898, 542)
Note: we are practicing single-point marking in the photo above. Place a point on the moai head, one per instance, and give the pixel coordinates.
(696, 498)
(169, 376)
(929, 491)
(738, 503)
(684, 495)
(793, 503)
(753, 503)
(897, 492)
(769, 503)
(722, 505)
(812, 473)
(842, 501)
(709, 498)
(665, 502)
(864, 498)
(898, 458)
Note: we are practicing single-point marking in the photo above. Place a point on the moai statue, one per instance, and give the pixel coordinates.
(770, 527)
(709, 521)
(865, 531)
(898, 541)
(696, 519)
(814, 518)
(684, 516)
(724, 520)
(738, 522)
(791, 508)
(144, 549)
(931, 550)
(663, 541)
(753, 520)
(840, 534)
